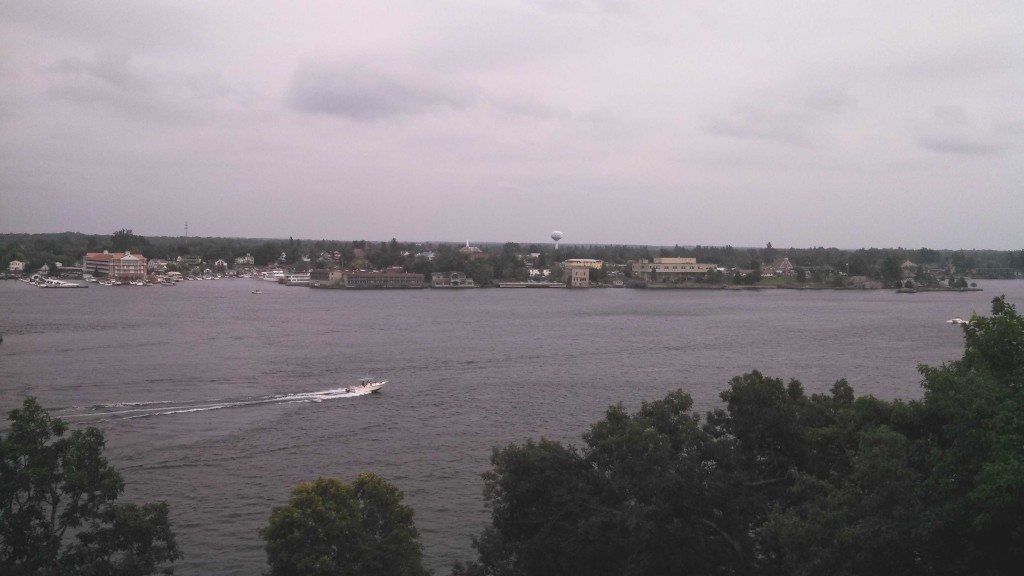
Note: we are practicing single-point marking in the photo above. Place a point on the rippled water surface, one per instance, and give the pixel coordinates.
(220, 401)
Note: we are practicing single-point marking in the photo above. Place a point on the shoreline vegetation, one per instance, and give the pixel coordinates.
(511, 264)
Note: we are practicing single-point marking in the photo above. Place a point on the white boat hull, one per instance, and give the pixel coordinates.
(367, 386)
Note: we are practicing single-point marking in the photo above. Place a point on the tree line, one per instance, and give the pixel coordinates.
(774, 482)
(503, 260)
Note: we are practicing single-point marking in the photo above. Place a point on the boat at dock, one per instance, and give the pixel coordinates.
(294, 279)
(531, 285)
(44, 282)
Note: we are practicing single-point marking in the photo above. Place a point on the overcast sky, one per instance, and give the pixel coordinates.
(848, 124)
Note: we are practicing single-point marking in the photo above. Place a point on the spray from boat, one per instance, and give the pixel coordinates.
(134, 410)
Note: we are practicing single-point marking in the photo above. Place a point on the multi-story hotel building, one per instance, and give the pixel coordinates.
(122, 266)
(669, 269)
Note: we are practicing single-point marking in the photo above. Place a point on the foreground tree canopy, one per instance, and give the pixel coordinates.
(781, 482)
(332, 528)
(58, 513)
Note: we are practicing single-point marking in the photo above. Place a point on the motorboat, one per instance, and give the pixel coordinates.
(366, 385)
(957, 321)
(257, 291)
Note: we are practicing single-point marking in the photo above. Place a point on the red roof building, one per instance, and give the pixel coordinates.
(122, 266)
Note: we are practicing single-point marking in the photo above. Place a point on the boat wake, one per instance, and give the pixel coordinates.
(134, 410)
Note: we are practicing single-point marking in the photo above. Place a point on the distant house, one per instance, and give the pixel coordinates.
(16, 267)
(220, 264)
(246, 260)
(779, 267)
(908, 269)
(44, 270)
(157, 265)
(192, 259)
(330, 257)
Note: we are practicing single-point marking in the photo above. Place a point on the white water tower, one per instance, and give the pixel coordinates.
(556, 236)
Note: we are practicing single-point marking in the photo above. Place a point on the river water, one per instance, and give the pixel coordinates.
(220, 401)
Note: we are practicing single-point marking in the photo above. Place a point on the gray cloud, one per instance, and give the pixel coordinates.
(115, 23)
(950, 130)
(575, 6)
(116, 82)
(608, 118)
(525, 108)
(956, 144)
(796, 120)
(366, 93)
(106, 68)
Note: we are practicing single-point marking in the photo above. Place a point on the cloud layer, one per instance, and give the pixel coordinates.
(617, 121)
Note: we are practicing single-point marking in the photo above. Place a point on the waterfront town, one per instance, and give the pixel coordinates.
(72, 260)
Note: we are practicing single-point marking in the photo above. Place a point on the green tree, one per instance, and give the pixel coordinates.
(480, 271)
(124, 239)
(777, 482)
(927, 487)
(890, 269)
(58, 513)
(332, 528)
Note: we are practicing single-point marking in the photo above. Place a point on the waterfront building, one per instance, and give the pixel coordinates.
(387, 279)
(16, 267)
(323, 278)
(246, 260)
(669, 269)
(121, 266)
(578, 276)
(451, 280)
